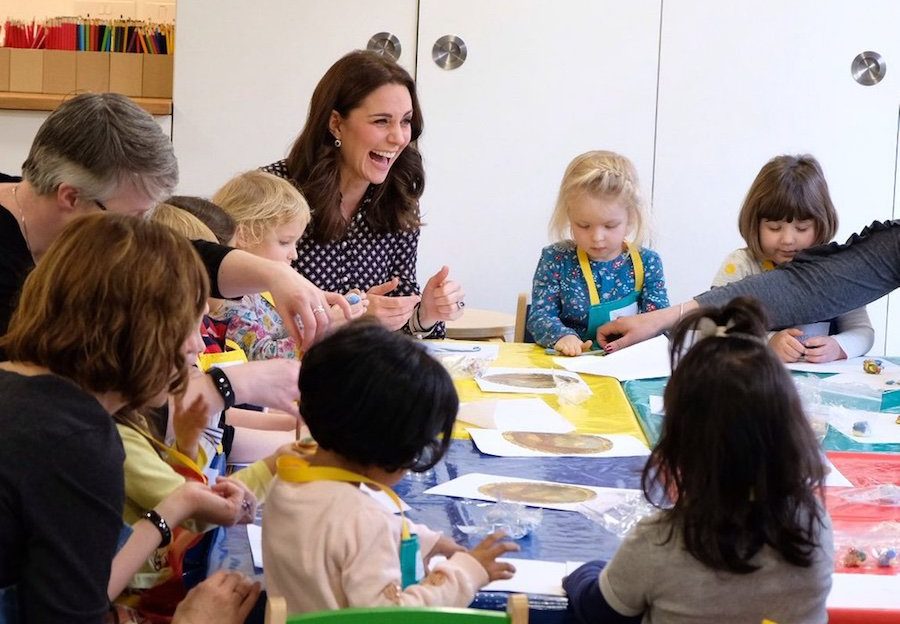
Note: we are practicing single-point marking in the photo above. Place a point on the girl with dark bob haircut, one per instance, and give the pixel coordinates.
(378, 405)
(378, 399)
(746, 537)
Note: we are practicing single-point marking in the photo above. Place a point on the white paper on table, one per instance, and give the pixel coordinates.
(484, 350)
(514, 415)
(853, 365)
(467, 486)
(883, 427)
(533, 576)
(864, 591)
(863, 381)
(487, 385)
(833, 477)
(254, 536)
(384, 500)
(644, 360)
(656, 405)
(492, 442)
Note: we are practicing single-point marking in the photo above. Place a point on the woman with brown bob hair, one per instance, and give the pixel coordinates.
(106, 321)
(356, 163)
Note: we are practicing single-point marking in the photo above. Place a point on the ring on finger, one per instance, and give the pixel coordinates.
(246, 505)
(319, 309)
(460, 304)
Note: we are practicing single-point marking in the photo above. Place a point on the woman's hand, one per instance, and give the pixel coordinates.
(234, 490)
(628, 330)
(392, 312)
(786, 346)
(571, 345)
(223, 598)
(823, 349)
(189, 423)
(271, 383)
(442, 299)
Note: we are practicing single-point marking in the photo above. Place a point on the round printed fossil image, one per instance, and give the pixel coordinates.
(537, 493)
(522, 380)
(559, 443)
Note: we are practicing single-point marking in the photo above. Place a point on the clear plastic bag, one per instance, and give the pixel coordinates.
(480, 518)
(463, 365)
(621, 518)
(877, 546)
(571, 390)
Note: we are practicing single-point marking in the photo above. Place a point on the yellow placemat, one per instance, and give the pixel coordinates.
(607, 411)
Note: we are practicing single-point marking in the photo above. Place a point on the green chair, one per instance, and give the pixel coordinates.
(516, 613)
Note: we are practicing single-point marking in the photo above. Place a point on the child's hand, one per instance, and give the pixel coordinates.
(824, 349)
(189, 424)
(444, 547)
(489, 549)
(571, 345)
(786, 346)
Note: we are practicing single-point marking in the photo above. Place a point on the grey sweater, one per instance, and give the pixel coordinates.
(825, 281)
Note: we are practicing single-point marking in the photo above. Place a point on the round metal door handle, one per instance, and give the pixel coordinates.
(868, 68)
(449, 52)
(385, 44)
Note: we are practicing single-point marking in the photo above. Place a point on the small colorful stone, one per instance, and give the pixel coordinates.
(854, 558)
(886, 557)
(861, 428)
(873, 367)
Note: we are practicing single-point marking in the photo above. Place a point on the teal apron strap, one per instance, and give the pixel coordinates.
(600, 313)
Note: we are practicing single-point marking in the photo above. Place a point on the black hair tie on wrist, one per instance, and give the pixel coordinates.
(161, 525)
(223, 385)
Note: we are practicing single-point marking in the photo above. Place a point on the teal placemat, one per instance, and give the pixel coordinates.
(640, 391)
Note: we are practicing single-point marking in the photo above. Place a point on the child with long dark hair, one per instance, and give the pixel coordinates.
(377, 405)
(747, 537)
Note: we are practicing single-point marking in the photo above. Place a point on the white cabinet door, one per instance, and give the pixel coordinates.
(741, 82)
(542, 82)
(245, 71)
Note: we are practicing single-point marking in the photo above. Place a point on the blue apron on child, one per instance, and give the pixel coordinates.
(600, 313)
(296, 470)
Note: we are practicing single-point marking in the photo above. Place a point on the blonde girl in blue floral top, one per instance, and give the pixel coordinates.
(601, 272)
(271, 216)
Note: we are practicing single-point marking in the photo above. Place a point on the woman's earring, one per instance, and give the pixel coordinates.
(337, 142)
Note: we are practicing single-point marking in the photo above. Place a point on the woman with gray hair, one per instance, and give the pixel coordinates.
(103, 152)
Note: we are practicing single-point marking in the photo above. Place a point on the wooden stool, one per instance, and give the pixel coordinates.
(477, 324)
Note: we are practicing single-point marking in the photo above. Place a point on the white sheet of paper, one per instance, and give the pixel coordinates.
(533, 576)
(656, 405)
(492, 442)
(254, 536)
(467, 486)
(853, 365)
(883, 427)
(514, 415)
(487, 385)
(834, 478)
(864, 591)
(645, 360)
(864, 381)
